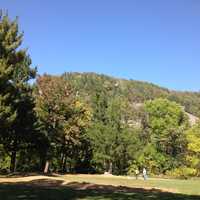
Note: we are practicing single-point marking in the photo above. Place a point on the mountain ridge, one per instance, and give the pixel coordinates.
(132, 90)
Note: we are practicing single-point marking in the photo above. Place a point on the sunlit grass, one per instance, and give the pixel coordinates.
(97, 187)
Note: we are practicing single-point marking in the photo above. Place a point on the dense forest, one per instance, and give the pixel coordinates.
(91, 123)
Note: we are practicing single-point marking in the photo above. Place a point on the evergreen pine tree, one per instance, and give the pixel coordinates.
(16, 102)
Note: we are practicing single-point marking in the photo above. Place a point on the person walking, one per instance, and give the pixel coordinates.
(144, 172)
(136, 173)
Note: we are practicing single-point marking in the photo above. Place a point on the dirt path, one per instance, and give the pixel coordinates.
(28, 179)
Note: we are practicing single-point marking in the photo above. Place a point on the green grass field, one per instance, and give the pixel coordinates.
(97, 187)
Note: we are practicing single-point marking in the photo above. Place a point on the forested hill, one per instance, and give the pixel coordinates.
(133, 91)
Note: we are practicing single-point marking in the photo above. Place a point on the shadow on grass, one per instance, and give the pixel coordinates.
(55, 190)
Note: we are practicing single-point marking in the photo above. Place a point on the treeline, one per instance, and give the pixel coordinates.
(89, 123)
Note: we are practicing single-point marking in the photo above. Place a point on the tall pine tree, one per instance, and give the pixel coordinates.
(16, 102)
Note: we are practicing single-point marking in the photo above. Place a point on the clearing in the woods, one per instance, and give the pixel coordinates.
(97, 187)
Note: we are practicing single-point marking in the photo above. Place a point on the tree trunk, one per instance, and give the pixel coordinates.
(13, 161)
(64, 164)
(110, 167)
(42, 162)
(46, 168)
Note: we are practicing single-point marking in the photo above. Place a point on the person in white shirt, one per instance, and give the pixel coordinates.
(144, 172)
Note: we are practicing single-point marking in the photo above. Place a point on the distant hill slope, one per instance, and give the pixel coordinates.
(133, 91)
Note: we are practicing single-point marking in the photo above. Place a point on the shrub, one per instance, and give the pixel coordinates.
(182, 172)
(132, 169)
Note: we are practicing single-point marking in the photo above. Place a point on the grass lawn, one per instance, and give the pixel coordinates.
(97, 187)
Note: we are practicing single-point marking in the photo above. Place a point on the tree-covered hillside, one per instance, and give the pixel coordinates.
(134, 91)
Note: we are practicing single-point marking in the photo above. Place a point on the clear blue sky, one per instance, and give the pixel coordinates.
(152, 40)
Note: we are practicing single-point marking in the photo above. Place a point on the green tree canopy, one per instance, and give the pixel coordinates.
(63, 116)
(193, 147)
(16, 102)
(166, 122)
